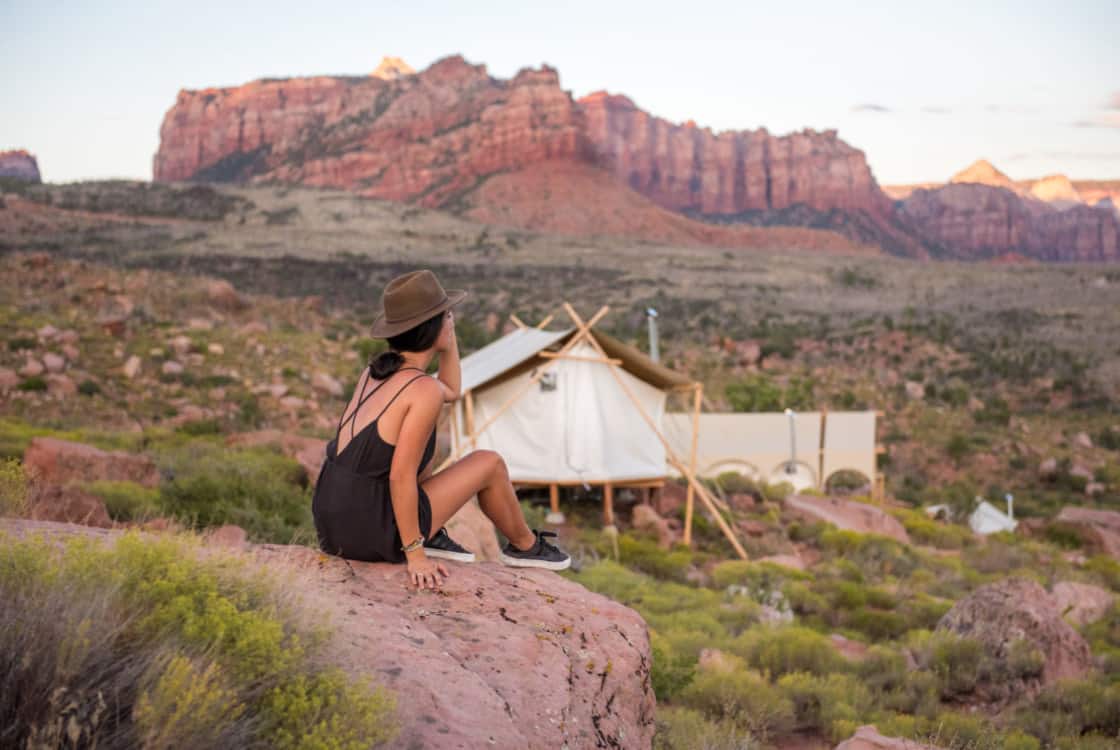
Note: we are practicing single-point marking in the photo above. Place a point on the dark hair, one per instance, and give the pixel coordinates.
(415, 339)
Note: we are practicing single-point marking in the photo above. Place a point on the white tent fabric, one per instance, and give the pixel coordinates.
(585, 429)
(504, 353)
(758, 443)
(988, 519)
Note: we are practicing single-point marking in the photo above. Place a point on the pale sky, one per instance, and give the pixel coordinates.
(922, 88)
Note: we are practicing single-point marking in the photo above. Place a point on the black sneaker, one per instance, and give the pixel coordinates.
(442, 545)
(540, 555)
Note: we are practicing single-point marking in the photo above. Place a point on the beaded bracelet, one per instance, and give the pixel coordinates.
(414, 544)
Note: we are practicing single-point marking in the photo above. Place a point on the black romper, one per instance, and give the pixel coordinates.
(351, 505)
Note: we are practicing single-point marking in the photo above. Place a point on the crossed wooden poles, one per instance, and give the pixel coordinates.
(583, 333)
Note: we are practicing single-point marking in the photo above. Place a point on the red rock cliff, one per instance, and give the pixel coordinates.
(684, 167)
(20, 165)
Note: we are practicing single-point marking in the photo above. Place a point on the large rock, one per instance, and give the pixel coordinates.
(499, 657)
(55, 461)
(471, 528)
(1099, 528)
(999, 614)
(846, 514)
(19, 165)
(67, 503)
(867, 737)
(309, 452)
(1081, 603)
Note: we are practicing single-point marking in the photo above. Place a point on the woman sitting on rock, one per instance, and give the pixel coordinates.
(371, 501)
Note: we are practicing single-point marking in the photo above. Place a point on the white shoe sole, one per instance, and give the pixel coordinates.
(448, 555)
(520, 562)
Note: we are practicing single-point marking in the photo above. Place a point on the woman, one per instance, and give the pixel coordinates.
(373, 499)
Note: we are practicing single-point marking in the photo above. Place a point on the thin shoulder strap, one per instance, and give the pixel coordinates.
(394, 398)
(365, 397)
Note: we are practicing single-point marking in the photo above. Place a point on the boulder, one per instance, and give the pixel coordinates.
(9, 379)
(867, 737)
(1081, 603)
(54, 362)
(846, 514)
(228, 535)
(309, 452)
(670, 499)
(471, 528)
(131, 368)
(998, 614)
(644, 518)
(1099, 528)
(60, 385)
(499, 657)
(327, 384)
(54, 461)
(221, 295)
(66, 503)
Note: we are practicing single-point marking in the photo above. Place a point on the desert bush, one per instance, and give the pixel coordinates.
(784, 649)
(207, 484)
(670, 671)
(875, 557)
(746, 699)
(680, 728)
(645, 555)
(145, 643)
(924, 530)
(762, 578)
(126, 501)
(13, 488)
(821, 703)
(1072, 708)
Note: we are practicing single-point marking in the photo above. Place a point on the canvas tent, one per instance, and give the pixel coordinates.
(575, 406)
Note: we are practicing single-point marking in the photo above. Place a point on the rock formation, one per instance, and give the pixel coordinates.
(499, 657)
(1100, 529)
(999, 614)
(867, 737)
(845, 514)
(19, 165)
(440, 136)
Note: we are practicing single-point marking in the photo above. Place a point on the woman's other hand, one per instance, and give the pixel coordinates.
(425, 572)
(447, 335)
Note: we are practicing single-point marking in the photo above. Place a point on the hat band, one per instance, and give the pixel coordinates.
(415, 314)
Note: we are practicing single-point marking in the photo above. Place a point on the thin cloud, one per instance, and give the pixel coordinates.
(1107, 120)
(1113, 101)
(869, 107)
(1011, 109)
(1067, 155)
(936, 110)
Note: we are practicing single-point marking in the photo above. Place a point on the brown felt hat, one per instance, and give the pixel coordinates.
(409, 300)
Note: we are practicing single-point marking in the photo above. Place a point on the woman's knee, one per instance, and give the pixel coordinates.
(496, 465)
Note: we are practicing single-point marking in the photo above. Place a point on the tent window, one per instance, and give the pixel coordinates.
(548, 381)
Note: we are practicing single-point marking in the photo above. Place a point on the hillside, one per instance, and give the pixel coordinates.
(431, 138)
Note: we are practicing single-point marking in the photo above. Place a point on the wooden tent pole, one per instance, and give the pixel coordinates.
(548, 319)
(820, 455)
(582, 333)
(698, 394)
(700, 489)
(517, 321)
(469, 396)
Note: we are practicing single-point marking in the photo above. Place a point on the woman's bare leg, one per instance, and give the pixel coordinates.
(481, 472)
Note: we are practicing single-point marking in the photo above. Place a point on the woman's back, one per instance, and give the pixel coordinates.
(366, 449)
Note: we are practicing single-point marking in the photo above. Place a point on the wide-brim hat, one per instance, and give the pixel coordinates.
(409, 300)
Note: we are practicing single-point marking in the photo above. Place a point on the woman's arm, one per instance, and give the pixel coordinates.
(419, 419)
(449, 376)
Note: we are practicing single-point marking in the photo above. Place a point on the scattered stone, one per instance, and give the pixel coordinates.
(670, 499)
(171, 367)
(31, 368)
(1048, 469)
(131, 368)
(223, 296)
(1082, 440)
(277, 390)
(644, 518)
(324, 382)
(846, 514)
(1099, 529)
(60, 385)
(915, 390)
(180, 344)
(999, 614)
(216, 349)
(9, 379)
(54, 362)
(217, 393)
(55, 461)
(253, 326)
(786, 561)
(69, 336)
(1082, 603)
(70, 351)
(849, 649)
(200, 324)
(67, 503)
(228, 536)
(867, 737)
(47, 332)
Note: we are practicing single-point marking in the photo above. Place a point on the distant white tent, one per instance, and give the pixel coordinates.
(988, 519)
(576, 406)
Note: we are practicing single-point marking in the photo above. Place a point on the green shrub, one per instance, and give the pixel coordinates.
(785, 649)
(955, 661)
(201, 427)
(679, 728)
(1072, 707)
(208, 484)
(821, 703)
(13, 488)
(147, 643)
(126, 501)
(89, 387)
(744, 698)
(670, 671)
(33, 383)
(645, 555)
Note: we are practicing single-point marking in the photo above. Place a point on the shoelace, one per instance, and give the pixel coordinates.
(545, 545)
